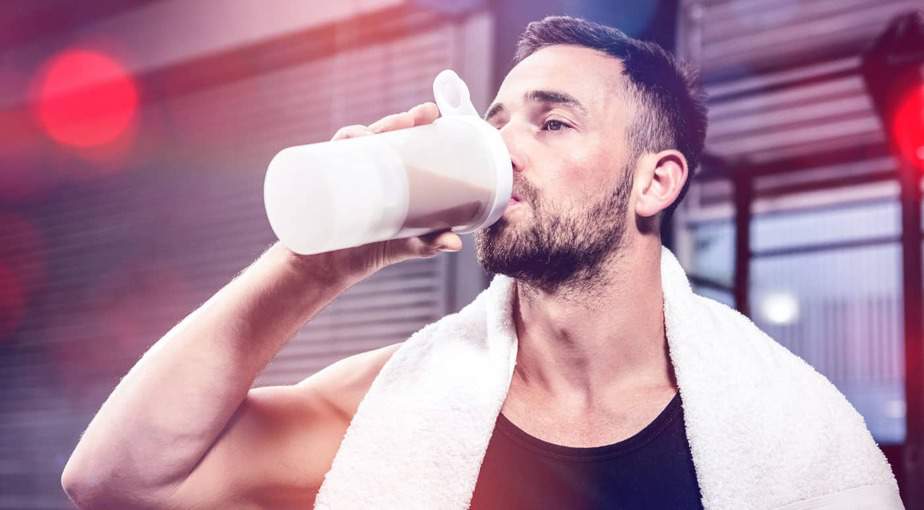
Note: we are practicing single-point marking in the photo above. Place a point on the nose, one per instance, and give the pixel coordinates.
(514, 147)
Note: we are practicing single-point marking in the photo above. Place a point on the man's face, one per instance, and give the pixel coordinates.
(564, 121)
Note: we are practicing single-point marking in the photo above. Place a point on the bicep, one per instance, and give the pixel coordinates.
(273, 452)
(276, 449)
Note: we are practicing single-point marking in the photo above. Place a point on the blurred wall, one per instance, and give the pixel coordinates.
(791, 120)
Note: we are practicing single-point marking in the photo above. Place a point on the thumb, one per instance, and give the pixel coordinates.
(447, 241)
(428, 245)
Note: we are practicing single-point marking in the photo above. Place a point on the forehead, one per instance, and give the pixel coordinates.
(592, 77)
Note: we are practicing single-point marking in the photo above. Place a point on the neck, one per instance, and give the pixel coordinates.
(585, 348)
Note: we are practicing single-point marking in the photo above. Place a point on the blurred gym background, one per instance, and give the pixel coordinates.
(134, 137)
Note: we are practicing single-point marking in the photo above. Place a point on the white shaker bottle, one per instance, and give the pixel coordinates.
(452, 174)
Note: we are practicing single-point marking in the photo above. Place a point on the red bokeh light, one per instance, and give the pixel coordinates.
(22, 270)
(21, 178)
(908, 126)
(86, 99)
(12, 302)
(23, 250)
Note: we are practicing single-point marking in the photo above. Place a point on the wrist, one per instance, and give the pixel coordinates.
(322, 268)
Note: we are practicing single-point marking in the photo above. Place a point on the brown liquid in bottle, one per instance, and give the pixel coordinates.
(438, 201)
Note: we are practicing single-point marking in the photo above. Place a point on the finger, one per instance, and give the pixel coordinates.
(399, 250)
(444, 240)
(392, 122)
(424, 113)
(429, 245)
(352, 131)
(449, 242)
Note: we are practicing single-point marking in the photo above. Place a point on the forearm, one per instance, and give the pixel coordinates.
(171, 406)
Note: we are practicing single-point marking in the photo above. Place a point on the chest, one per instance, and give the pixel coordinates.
(579, 426)
(652, 468)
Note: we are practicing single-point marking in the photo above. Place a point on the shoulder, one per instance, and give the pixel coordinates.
(343, 384)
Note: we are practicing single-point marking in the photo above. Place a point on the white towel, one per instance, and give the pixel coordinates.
(766, 431)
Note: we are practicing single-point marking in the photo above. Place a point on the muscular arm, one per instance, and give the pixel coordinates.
(183, 429)
(281, 442)
(161, 419)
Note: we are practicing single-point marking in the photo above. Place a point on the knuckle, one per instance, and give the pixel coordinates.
(425, 112)
(428, 107)
(350, 131)
(387, 122)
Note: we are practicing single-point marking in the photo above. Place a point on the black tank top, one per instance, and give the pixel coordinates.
(652, 469)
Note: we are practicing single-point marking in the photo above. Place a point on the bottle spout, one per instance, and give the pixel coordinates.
(451, 94)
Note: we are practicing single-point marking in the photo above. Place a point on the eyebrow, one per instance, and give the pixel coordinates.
(541, 96)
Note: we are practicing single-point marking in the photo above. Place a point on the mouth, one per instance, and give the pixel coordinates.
(514, 202)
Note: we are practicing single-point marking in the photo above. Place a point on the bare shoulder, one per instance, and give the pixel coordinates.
(343, 384)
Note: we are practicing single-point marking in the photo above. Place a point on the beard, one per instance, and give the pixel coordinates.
(557, 251)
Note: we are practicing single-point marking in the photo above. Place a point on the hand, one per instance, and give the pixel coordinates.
(362, 261)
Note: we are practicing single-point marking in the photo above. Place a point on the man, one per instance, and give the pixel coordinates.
(604, 132)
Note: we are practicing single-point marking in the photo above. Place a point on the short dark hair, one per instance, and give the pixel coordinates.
(671, 102)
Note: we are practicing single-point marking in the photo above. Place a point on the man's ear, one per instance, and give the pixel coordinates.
(663, 175)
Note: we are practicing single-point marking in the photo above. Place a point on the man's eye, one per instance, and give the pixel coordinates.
(554, 125)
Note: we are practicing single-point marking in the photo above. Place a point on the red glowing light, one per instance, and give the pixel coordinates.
(86, 99)
(908, 126)
(23, 251)
(22, 270)
(12, 302)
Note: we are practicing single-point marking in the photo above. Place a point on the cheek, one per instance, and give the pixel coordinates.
(580, 173)
(587, 176)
